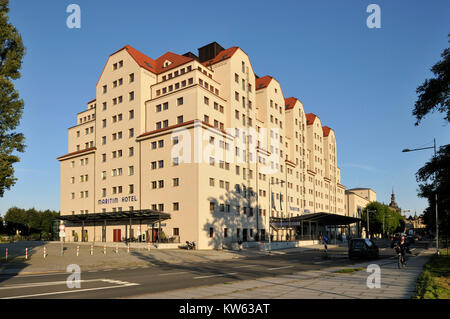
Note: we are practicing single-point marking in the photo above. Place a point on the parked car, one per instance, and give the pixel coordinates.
(363, 248)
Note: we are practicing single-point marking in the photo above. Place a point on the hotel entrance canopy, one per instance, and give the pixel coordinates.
(148, 215)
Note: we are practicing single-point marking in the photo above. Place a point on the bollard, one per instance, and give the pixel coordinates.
(78, 251)
(104, 249)
(117, 249)
(26, 253)
(148, 246)
(92, 250)
(45, 252)
(6, 254)
(128, 248)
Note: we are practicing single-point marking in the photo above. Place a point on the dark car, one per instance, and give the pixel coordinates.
(362, 248)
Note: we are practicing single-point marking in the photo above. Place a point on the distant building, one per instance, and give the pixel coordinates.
(356, 199)
(393, 204)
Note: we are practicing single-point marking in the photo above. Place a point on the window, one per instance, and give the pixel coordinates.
(180, 119)
(211, 181)
(176, 231)
(161, 183)
(105, 88)
(180, 101)
(130, 170)
(131, 132)
(175, 161)
(161, 143)
(131, 114)
(131, 188)
(131, 96)
(166, 123)
(176, 206)
(176, 181)
(206, 100)
(166, 106)
(131, 151)
(211, 232)
(158, 108)
(154, 145)
(131, 77)
(212, 206)
(160, 164)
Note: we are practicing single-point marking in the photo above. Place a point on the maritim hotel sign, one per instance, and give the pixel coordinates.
(115, 200)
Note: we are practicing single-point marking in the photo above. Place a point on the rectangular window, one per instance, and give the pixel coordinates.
(180, 101)
(176, 206)
(176, 182)
(131, 77)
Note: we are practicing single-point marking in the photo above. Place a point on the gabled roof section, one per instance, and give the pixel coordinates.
(310, 118)
(141, 59)
(263, 82)
(156, 66)
(290, 102)
(326, 131)
(223, 55)
(174, 59)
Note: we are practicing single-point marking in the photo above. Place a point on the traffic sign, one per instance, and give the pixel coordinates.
(62, 227)
(62, 234)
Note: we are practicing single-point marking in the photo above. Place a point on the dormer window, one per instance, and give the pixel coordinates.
(167, 63)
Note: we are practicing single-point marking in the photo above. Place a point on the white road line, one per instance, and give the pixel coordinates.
(42, 284)
(107, 269)
(70, 291)
(220, 275)
(276, 268)
(246, 266)
(174, 273)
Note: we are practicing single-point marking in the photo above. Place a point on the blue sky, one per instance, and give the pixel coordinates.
(361, 82)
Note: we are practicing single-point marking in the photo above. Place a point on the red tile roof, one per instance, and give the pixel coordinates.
(77, 152)
(175, 59)
(223, 55)
(326, 131)
(310, 118)
(263, 82)
(156, 66)
(290, 102)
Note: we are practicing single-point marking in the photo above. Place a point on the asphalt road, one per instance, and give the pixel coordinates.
(128, 282)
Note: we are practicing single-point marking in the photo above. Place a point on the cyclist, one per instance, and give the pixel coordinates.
(402, 248)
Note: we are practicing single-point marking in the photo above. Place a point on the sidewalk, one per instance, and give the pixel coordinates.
(325, 284)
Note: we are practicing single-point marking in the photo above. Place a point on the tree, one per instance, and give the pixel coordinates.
(383, 221)
(434, 93)
(11, 106)
(434, 177)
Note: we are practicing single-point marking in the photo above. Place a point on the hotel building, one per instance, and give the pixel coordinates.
(202, 139)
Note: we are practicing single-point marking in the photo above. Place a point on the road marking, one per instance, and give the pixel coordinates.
(42, 284)
(276, 268)
(173, 273)
(107, 269)
(220, 275)
(246, 266)
(71, 291)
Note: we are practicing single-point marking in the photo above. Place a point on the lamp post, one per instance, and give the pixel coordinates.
(435, 195)
(270, 207)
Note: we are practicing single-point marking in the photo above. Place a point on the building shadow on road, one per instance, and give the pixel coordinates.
(15, 262)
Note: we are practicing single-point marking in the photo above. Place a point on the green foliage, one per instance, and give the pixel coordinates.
(434, 281)
(434, 178)
(29, 222)
(11, 106)
(434, 93)
(382, 220)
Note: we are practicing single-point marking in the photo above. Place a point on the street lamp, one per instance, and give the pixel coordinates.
(435, 196)
(369, 211)
(270, 207)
